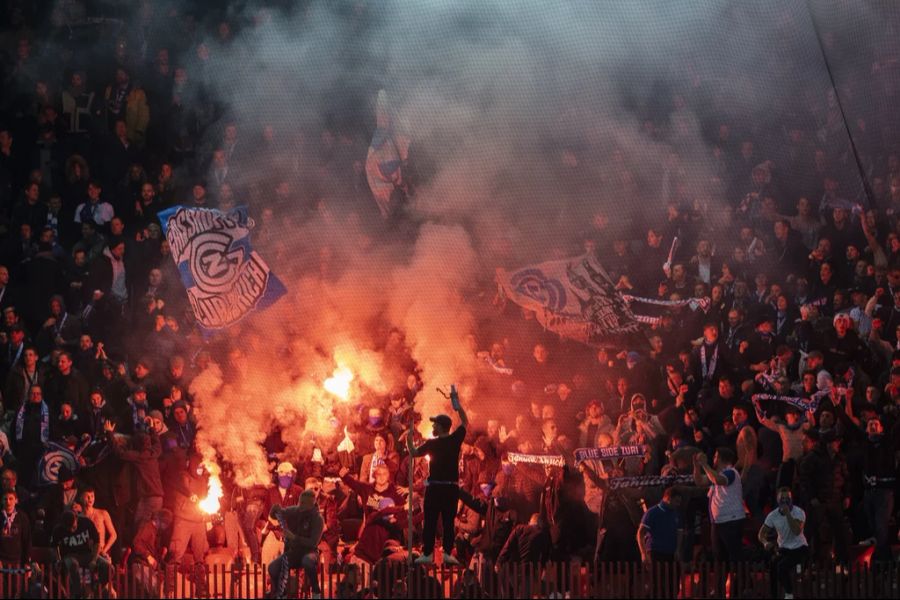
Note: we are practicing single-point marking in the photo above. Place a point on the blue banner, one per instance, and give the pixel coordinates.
(225, 279)
(55, 457)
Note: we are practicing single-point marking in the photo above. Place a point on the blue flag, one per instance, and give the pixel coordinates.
(225, 279)
(55, 457)
(386, 154)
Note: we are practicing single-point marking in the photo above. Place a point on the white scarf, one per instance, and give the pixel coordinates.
(708, 369)
(8, 520)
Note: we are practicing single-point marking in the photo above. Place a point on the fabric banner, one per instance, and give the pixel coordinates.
(694, 303)
(225, 279)
(611, 452)
(55, 457)
(803, 404)
(644, 481)
(550, 460)
(574, 298)
(387, 152)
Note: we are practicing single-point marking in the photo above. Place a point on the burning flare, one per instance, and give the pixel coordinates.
(339, 382)
(210, 505)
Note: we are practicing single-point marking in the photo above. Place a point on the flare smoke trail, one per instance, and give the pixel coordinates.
(526, 120)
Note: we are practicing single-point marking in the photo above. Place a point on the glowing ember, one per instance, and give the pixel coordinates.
(339, 382)
(210, 505)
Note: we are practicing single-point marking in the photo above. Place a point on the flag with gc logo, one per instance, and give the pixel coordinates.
(225, 279)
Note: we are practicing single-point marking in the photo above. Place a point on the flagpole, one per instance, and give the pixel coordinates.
(409, 503)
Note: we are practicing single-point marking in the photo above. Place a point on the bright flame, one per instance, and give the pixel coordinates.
(210, 505)
(339, 382)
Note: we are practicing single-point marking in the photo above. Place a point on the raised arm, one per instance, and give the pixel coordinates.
(763, 419)
(705, 475)
(454, 400)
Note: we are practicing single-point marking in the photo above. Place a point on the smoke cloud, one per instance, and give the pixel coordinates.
(527, 119)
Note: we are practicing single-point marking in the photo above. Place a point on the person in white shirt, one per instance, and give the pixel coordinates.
(726, 502)
(790, 547)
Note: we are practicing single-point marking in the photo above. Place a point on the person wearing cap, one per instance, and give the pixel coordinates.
(286, 492)
(134, 412)
(442, 485)
(181, 429)
(755, 352)
(303, 527)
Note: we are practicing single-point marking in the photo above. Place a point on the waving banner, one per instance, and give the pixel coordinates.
(387, 152)
(609, 453)
(225, 279)
(55, 457)
(645, 481)
(547, 460)
(574, 298)
(801, 404)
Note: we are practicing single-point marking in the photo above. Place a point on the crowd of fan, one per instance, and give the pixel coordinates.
(99, 349)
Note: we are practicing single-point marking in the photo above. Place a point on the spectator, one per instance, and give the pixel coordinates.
(726, 502)
(660, 534)
(787, 521)
(15, 535)
(78, 546)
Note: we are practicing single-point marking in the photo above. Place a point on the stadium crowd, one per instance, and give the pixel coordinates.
(779, 400)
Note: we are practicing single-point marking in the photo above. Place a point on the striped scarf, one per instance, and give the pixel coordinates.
(45, 423)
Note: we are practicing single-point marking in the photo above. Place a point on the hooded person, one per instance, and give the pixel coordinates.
(143, 457)
(497, 518)
(286, 493)
(303, 527)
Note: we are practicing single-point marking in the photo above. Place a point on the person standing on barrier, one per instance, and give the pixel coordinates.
(77, 545)
(790, 548)
(442, 486)
(302, 526)
(726, 502)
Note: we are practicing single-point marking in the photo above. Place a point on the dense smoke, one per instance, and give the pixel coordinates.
(526, 119)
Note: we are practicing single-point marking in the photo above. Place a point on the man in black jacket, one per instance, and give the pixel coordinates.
(880, 479)
(302, 526)
(498, 521)
(529, 546)
(15, 531)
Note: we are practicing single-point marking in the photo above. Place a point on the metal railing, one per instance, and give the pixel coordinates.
(396, 580)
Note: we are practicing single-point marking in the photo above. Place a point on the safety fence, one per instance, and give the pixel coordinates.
(395, 579)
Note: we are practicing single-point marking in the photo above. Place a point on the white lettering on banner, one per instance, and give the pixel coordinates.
(550, 460)
(229, 280)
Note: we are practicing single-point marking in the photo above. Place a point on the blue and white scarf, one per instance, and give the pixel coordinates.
(45, 423)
